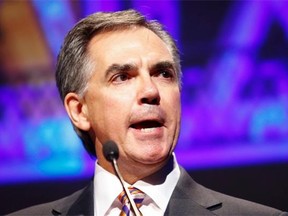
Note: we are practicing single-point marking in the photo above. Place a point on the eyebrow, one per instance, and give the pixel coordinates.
(118, 68)
(164, 65)
(115, 68)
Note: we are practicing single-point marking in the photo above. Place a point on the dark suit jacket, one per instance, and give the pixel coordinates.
(188, 198)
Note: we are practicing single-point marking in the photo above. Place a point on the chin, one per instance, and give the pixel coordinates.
(153, 159)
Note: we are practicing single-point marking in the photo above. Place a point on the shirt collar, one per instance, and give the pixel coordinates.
(159, 186)
(107, 186)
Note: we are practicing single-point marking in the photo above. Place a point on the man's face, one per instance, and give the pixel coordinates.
(133, 96)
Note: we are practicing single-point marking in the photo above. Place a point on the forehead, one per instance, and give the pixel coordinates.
(134, 42)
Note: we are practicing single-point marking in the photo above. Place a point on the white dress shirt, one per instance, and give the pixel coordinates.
(107, 187)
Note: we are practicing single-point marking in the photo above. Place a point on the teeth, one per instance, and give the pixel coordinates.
(147, 129)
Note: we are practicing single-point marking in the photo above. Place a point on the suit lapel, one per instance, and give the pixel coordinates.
(79, 203)
(186, 207)
(190, 198)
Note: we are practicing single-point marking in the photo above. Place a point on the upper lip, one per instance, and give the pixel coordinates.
(148, 119)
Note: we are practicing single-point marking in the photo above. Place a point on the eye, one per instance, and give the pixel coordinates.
(121, 77)
(166, 74)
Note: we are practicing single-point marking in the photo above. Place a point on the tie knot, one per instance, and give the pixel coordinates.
(136, 194)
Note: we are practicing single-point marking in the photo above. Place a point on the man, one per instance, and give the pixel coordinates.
(119, 78)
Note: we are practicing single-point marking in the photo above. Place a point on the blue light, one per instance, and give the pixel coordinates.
(56, 19)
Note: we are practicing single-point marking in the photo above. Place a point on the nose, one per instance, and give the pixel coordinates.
(148, 92)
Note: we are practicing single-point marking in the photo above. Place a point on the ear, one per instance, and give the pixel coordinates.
(77, 111)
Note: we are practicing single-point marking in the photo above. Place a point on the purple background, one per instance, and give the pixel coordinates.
(234, 98)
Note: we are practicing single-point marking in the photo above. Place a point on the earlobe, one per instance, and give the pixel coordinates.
(76, 109)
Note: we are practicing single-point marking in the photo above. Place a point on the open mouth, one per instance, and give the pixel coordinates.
(150, 124)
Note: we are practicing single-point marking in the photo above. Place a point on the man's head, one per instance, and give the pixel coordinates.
(119, 77)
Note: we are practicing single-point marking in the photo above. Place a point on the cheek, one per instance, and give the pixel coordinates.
(175, 103)
(175, 113)
(111, 111)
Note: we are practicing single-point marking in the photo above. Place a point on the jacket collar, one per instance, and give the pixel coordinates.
(191, 198)
(188, 198)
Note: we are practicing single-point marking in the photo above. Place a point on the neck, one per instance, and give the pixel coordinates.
(133, 172)
(136, 172)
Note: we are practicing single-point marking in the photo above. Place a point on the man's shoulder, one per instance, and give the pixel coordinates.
(209, 202)
(57, 207)
(40, 209)
(237, 206)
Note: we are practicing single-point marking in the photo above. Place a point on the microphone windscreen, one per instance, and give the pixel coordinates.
(110, 150)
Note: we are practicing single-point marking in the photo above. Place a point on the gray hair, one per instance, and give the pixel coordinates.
(74, 66)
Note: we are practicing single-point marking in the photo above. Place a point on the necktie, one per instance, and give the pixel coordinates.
(138, 197)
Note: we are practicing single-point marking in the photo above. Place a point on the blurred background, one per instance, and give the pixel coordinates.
(234, 135)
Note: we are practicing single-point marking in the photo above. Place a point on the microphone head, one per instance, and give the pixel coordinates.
(110, 150)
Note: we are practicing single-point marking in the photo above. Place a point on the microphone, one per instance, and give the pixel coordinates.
(111, 153)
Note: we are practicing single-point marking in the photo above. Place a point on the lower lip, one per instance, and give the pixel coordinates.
(148, 133)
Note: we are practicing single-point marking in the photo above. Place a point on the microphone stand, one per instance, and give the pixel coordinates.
(111, 153)
(132, 203)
